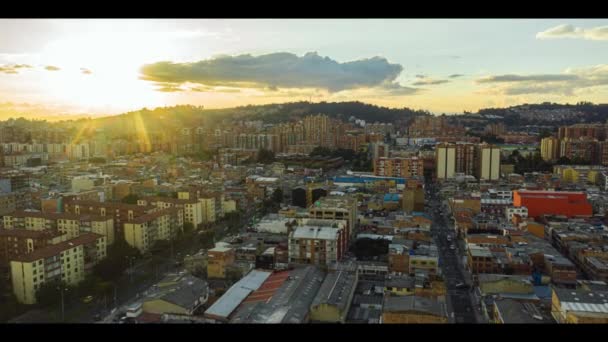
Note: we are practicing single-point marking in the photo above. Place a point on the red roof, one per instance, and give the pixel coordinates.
(268, 288)
(52, 250)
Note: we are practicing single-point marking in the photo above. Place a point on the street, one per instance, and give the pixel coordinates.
(460, 302)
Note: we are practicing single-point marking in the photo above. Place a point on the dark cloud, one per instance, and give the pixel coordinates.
(85, 71)
(13, 68)
(428, 81)
(51, 68)
(455, 75)
(280, 70)
(420, 76)
(526, 78)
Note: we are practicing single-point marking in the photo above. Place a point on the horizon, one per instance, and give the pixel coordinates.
(101, 67)
(80, 116)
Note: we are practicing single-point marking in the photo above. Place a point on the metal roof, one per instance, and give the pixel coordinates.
(336, 289)
(224, 306)
(320, 233)
(289, 303)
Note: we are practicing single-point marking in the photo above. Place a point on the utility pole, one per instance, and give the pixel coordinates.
(61, 288)
(115, 297)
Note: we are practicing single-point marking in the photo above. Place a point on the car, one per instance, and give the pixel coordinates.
(87, 299)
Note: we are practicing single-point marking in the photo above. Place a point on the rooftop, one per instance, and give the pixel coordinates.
(336, 289)
(236, 294)
(52, 250)
(179, 289)
(414, 303)
(512, 311)
(285, 297)
(317, 233)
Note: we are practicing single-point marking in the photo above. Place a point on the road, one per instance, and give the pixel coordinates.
(460, 299)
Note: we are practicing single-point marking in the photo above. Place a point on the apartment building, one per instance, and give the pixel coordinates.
(120, 212)
(66, 223)
(18, 242)
(398, 167)
(192, 208)
(143, 231)
(336, 208)
(316, 245)
(68, 261)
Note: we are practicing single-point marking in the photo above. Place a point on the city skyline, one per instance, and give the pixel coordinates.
(108, 67)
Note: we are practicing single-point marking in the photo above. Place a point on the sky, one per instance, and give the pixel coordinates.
(103, 67)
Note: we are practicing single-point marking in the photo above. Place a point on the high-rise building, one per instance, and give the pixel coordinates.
(488, 162)
(481, 161)
(595, 131)
(549, 148)
(413, 197)
(399, 167)
(583, 148)
(446, 161)
(379, 149)
(466, 158)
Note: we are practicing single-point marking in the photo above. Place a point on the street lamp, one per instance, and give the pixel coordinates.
(130, 269)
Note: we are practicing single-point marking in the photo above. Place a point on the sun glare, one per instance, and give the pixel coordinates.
(113, 59)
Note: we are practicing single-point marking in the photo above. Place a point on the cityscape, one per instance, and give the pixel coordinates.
(303, 171)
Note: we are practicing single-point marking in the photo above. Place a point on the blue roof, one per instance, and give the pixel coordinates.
(391, 198)
(420, 213)
(367, 179)
(542, 291)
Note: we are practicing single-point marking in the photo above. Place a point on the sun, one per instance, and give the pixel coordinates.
(114, 60)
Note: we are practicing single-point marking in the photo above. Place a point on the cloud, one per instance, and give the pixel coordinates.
(51, 68)
(566, 83)
(85, 71)
(420, 76)
(526, 78)
(455, 75)
(13, 68)
(569, 31)
(429, 81)
(280, 70)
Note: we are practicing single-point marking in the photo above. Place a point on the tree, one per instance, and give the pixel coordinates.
(97, 160)
(116, 262)
(545, 134)
(277, 196)
(49, 293)
(207, 238)
(130, 199)
(265, 156)
(321, 151)
(233, 273)
(188, 227)
(366, 248)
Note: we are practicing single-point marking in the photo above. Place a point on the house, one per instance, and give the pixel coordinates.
(178, 294)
